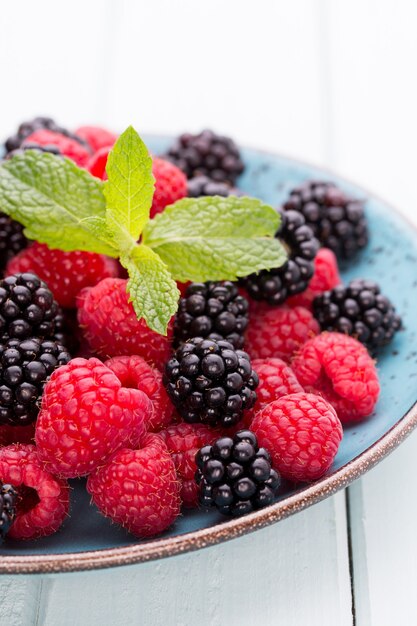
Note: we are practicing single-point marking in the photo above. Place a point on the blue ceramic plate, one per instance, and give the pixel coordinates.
(89, 541)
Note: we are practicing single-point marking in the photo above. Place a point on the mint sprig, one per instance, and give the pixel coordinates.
(199, 239)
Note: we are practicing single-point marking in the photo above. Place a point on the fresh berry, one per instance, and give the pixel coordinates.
(27, 308)
(112, 328)
(302, 433)
(68, 146)
(170, 185)
(86, 415)
(212, 310)
(279, 332)
(205, 186)
(339, 368)
(25, 365)
(16, 434)
(29, 127)
(207, 154)
(325, 277)
(235, 475)
(210, 382)
(138, 489)
(8, 497)
(96, 137)
(276, 285)
(337, 220)
(183, 442)
(135, 372)
(276, 379)
(97, 163)
(360, 310)
(43, 500)
(27, 145)
(65, 273)
(12, 239)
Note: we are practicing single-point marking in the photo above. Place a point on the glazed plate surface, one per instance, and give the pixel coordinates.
(89, 541)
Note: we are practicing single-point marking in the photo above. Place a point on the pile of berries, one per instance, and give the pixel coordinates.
(253, 383)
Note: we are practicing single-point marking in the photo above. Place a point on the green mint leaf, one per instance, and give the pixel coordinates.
(129, 189)
(213, 238)
(58, 203)
(152, 290)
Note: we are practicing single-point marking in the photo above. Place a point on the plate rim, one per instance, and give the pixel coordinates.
(195, 540)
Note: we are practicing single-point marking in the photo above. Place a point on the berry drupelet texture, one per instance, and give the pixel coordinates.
(337, 220)
(276, 285)
(215, 310)
(210, 382)
(33, 146)
(8, 497)
(360, 310)
(205, 186)
(12, 239)
(207, 154)
(235, 475)
(31, 126)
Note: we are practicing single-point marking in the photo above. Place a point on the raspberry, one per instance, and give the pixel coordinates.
(12, 239)
(96, 137)
(340, 369)
(97, 163)
(210, 382)
(205, 186)
(276, 379)
(68, 146)
(29, 127)
(65, 273)
(183, 442)
(112, 328)
(8, 497)
(302, 433)
(135, 372)
(326, 276)
(170, 185)
(43, 500)
(86, 415)
(279, 332)
(138, 489)
(235, 475)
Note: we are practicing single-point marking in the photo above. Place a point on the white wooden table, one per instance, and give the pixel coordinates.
(328, 81)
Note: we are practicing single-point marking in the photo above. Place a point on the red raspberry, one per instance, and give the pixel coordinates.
(302, 434)
(340, 369)
(112, 328)
(170, 185)
(135, 372)
(279, 331)
(65, 273)
(16, 434)
(183, 442)
(138, 489)
(43, 499)
(276, 379)
(96, 137)
(68, 147)
(86, 415)
(97, 164)
(326, 276)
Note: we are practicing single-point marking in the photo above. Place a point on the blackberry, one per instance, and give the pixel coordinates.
(337, 220)
(8, 497)
(12, 239)
(27, 307)
(210, 382)
(276, 285)
(38, 123)
(212, 310)
(360, 310)
(205, 186)
(25, 366)
(33, 146)
(235, 475)
(207, 154)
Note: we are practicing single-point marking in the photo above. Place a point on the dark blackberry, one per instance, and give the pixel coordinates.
(27, 128)
(235, 475)
(207, 154)
(25, 366)
(205, 186)
(337, 220)
(210, 382)
(27, 307)
(33, 146)
(213, 311)
(276, 285)
(8, 497)
(360, 310)
(12, 239)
